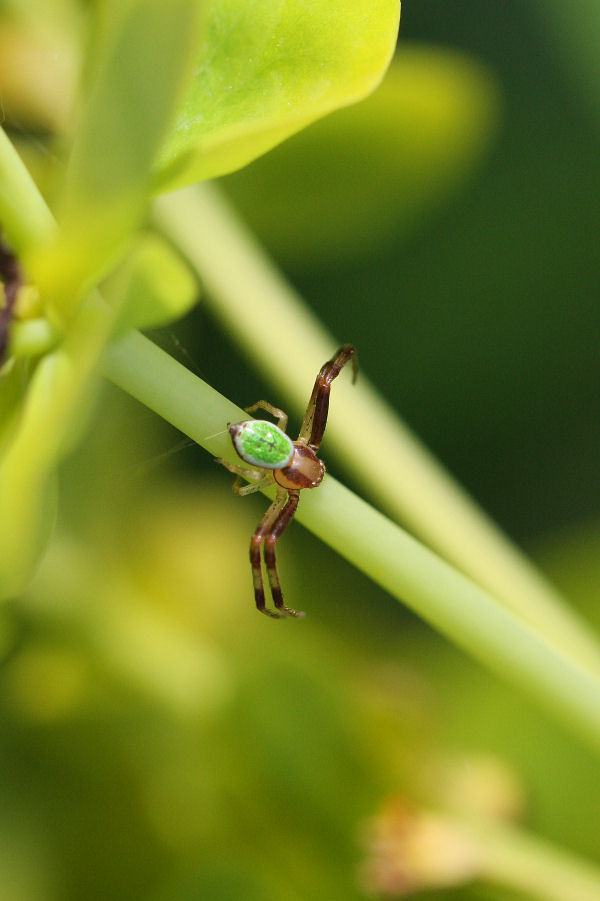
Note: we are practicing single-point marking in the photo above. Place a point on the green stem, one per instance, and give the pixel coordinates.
(453, 604)
(449, 601)
(32, 338)
(525, 863)
(478, 849)
(288, 345)
(24, 216)
(246, 289)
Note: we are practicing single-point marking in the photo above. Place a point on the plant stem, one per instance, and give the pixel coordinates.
(422, 849)
(255, 305)
(449, 601)
(246, 288)
(24, 216)
(522, 862)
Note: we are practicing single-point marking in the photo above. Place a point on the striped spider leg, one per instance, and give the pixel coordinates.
(273, 458)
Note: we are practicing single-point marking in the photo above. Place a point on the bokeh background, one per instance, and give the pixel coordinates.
(158, 739)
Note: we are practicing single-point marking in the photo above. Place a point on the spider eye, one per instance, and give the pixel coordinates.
(261, 443)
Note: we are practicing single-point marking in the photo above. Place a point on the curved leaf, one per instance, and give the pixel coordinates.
(132, 101)
(153, 288)
(575, 30)
(130, 105)
(267, 69)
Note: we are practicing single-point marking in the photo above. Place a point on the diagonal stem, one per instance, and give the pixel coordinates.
(445, 598)
(244, 287)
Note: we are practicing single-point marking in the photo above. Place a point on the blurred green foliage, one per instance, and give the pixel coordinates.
(159, 740)
(403, 150)
(485, 330)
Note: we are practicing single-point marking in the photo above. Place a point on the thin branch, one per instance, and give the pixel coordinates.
(256, 306)
(445, 598)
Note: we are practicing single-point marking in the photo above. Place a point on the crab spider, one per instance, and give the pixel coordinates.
(273, 458)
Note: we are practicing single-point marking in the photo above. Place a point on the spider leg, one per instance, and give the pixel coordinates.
(257, 477)
(283, 520)
(278, 414)
(315, 418)
(242, 490)
(264, 528)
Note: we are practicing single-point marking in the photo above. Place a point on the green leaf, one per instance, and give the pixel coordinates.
(267, 69)
(27, 479)
(154, 287)
(575, 28)
(43, 507)
(25, 217)
(129, 108)
(38, 64)
(13, 380)
(131, 103)
(32, 338)
(376, 170)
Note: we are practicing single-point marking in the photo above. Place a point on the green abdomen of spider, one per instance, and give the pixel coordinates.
(261, 443)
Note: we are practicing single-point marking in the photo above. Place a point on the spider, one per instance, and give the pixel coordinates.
(291, 465)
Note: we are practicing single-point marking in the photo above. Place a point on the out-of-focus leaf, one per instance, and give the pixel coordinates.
(130, 106)
(24, 215)
(25, 533)
(575, 28)
(52, 416)
(266, 70)
(32, 338)
(27, 871)
(28, 461)
(154, 287)
(370, 173)
(37, 72)
(572, 557)
(132, 101)
(12, 386)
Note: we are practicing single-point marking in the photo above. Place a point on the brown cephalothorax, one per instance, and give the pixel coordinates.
(305, 470)
(292, 465)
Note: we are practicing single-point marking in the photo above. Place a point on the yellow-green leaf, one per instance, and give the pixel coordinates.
(154, 287)
(131, 103)
(266, 69)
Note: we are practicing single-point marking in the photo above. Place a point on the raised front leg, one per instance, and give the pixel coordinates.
(279, 415)
(315, 418)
